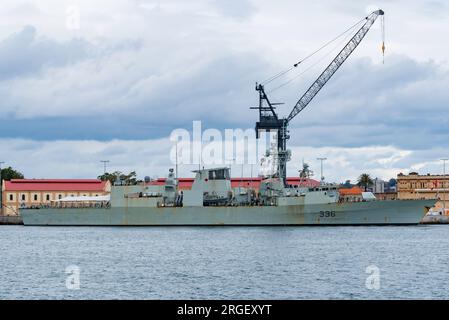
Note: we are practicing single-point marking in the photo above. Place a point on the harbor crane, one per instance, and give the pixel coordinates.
(269, 119)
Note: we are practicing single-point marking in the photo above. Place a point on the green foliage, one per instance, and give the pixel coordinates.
(364, 180)
(108, 177)
(347, 184)
(9, 173)
(128, 179)
(392, 182)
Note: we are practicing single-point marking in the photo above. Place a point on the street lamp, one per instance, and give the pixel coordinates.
(1, 188)
(321, 160)
(105, 162)
(232, 160)
(444, 184)
(176, 163)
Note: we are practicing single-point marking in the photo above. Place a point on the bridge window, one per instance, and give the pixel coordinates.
(220, 174)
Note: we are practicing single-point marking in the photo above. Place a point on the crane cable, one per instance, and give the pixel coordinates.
(311, 66)
(334, 48)
(280, 74)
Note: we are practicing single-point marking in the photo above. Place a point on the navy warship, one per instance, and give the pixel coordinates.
(212, 201)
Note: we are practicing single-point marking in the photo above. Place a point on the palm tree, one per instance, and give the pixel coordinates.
(364, 181)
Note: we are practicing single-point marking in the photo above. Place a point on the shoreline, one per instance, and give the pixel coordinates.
(11, 220)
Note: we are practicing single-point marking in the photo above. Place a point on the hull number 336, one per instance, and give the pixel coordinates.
(327, 214)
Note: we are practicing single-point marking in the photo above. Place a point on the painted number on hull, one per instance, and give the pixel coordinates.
(327, 214)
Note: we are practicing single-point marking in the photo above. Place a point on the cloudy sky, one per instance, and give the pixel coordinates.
(82, 81)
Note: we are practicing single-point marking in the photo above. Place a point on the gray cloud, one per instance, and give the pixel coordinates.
(364, 104)
(136, 83)
(23, 53)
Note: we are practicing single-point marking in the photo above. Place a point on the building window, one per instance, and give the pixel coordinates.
(59, 196)
(48, 197)
(23, 197)
(11, 197)
(35, 197)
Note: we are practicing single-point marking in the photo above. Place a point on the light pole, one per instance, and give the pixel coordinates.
(1, 188)
(444, 183)
(241, 177)
(176, 162)
(322, 159)
(230, 166)
(105, 162)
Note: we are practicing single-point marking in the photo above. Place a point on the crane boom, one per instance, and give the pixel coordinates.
(334, 65)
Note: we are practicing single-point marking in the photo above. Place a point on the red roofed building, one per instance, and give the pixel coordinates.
(31, 192)
(351, 194)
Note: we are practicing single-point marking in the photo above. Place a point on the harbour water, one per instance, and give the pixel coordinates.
(225, 262)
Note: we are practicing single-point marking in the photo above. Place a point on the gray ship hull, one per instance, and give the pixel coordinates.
(352, 213)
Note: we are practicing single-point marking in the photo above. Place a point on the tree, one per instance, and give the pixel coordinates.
(9, 173)
(128, 179)
(392, 182)
(109, 176)
(347, 184)
(364, 180)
